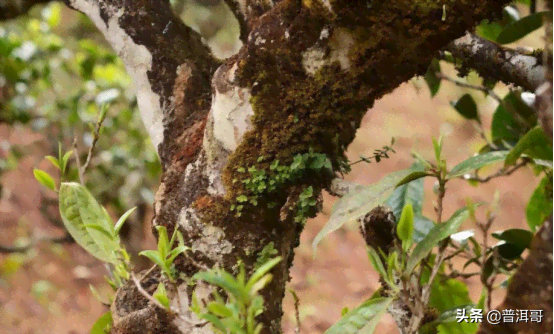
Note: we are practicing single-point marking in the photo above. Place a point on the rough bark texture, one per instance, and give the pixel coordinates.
(495, 62)
(306, 75)
(530, 289)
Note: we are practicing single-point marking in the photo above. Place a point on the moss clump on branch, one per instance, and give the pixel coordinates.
(295, 112)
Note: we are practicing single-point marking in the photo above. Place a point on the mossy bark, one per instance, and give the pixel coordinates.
(307, 74)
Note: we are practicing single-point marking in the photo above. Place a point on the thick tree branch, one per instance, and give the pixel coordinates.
(10, 9)
(496, 62)
(302, 83)
(247, 13)
(169, 64)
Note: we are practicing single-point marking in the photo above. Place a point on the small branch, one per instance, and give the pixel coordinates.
(470, 86)
(493, 61)
(78, 160)
(502, 172)
(485, 228)
(488, 91)
(22, 249)
(440, 200)
(533, 7)
(94, 139)
(296, 311)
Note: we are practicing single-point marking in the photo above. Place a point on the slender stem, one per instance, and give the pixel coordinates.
(78, 161)
(296, 311)
(499, 173)
(94, 140)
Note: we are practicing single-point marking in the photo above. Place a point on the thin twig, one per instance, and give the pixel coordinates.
(488, 91)
(34, 241)
(501, 172)
(78, 160)
(296, 311)
(470, 86)
(488, 283)
(94, 140)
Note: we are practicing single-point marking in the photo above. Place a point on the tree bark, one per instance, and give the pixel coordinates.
(530, 289)
(307, 74)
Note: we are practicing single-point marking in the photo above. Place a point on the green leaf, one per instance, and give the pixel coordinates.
(508, 250)
(161, 295)
(431, 77)
(437, 146)
(405, 227)
(446, 317)
(477, 162)
(155, 257)
(412, 177)
(539, 206)
(521, 238)
(363, 319)
(359, 202)
(220, 310)
(521, 28)
(447, 296)
(54, 161)
(225, 281)
(413, 192)
(436, 235)
(376, 262)
(65, 159)
(261, 271)
(102, 323)
(489, 30)
(78, 208)
(531, 140)
(215, 321)
(163, 241)
(175, 252)
(422, 227)
(122, 220)
(512, 118)
(100, 229)
(467, 107)
(45, 179)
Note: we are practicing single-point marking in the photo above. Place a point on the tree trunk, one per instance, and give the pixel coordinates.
(228, 133)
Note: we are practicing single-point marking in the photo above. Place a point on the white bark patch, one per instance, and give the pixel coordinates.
(138, 61)
(212, 243)
(313, 59)
(528, 65)
(182, 303)
(231, 112)
(327, 5)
